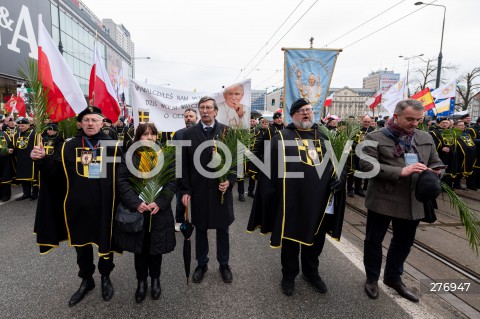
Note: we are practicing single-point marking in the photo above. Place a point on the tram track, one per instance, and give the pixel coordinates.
(445, 260)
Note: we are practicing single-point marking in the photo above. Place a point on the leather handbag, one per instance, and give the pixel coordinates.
(128, 221)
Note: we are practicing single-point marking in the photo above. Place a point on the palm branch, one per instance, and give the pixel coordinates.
(37, 95)
(148, 186)
(68, 127)
(467, 217)
(339, 138)
(235, 141)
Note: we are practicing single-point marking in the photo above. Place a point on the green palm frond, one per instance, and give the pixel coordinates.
(467, 217)
(338, 138)
(150, 188)
(230, 137)
(68, 127)
(37, 96)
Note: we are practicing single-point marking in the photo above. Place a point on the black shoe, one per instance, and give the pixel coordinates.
(402, 290)
(360, 193)
(156, 288)
(23, 197)
(141, 291)
(371, 288)
(251, 194)
(34, 197)
(226, 273)
(288, 286)
(5, 199)
(350, 194)
(241, 197)
(199, 273)
(107, 288)
(86, 285)
(317, 283)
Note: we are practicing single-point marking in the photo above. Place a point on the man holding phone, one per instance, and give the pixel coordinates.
(390, 198)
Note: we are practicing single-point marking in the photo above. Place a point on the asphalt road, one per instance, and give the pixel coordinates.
(39, 286)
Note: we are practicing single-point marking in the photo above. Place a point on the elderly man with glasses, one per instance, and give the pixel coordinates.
(306, 198)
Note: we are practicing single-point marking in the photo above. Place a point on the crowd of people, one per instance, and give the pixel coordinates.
(298, 213)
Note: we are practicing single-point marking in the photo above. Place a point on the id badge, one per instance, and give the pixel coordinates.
(411, 158)
(329, 209)
(94, 170)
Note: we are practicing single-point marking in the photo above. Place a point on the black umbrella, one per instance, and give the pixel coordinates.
(187, 229)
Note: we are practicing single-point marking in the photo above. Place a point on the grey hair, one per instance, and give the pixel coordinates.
(191, 110)
(208, 98)
(402, 105)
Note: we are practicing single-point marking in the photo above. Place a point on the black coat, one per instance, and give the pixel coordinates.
(207, 210)
(162, 239)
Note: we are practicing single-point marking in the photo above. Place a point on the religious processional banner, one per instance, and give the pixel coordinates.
(308, 73)
(165, 106)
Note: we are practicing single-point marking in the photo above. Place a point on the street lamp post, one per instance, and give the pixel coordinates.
(440, 55)
(408, 65)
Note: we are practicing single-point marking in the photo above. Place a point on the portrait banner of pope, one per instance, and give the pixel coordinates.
(308, 73)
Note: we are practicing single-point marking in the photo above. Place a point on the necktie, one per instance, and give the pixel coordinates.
(208, 131)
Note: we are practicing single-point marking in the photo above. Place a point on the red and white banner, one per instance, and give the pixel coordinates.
(100, 90)
(374, 101)
(16, 103)
(65, 98)
(329, 100)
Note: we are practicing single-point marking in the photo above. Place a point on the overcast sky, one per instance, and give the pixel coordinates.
(203, 45)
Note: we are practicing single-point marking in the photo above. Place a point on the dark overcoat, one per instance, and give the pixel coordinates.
(207, 211)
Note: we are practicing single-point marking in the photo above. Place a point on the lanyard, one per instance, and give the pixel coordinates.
(94, 148)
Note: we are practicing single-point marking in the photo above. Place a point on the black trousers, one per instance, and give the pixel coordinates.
(201, 246)
(145, 263)
(5, 191)
(28, 189)
(241, 186)
(354, 183)
(86, 265)
(308, 254)
(403, 237)
(179, 210)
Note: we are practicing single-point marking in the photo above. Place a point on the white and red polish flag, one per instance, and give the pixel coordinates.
(374, 101)
(100, 89)
(65, 98)
(329, 100)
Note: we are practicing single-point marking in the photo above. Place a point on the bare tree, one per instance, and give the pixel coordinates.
(426, 75)
(468, 86)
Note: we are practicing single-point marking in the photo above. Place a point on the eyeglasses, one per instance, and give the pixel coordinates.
(307, 110)
(208, 108)
(90, 121)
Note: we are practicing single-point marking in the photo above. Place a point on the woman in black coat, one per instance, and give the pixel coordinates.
(158, 234)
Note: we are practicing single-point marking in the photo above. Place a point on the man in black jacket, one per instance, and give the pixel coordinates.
(205, 192)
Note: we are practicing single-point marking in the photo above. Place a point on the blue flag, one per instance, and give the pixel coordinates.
(308, 73)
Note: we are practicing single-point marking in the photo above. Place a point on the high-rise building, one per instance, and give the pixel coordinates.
(380, 80)
(258, 99)
(74, 27)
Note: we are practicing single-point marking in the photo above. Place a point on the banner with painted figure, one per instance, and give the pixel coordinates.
(165, 106)
(234, 104)
(308, 73)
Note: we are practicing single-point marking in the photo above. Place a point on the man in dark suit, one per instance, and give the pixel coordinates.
(204, 192)
(191, 118)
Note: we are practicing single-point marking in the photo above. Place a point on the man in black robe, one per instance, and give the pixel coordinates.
(89, 166)
(205, 192)
(6, 164)
(26, 170)
(473, 181)
(302, 208)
